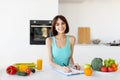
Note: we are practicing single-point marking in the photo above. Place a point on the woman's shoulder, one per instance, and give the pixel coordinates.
(72, 39)
(49, 40)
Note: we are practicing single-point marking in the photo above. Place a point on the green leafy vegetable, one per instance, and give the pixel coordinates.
(96, 63)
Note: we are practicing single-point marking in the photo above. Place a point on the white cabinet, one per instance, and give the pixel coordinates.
(85, 53)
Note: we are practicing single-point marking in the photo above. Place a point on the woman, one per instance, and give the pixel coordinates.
(60, 46)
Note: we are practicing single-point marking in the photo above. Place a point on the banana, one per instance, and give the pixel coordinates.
(30, 65)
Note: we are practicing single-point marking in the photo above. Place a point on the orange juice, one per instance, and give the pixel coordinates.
(39, 64)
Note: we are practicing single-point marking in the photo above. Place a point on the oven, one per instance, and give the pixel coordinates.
(39, 31)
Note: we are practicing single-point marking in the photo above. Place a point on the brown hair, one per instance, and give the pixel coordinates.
(54, 21)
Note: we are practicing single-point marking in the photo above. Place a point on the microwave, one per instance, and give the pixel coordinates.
(39, 31)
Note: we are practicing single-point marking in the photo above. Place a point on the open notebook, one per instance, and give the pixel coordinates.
(74, 72)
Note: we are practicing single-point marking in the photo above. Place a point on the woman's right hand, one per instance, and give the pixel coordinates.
(66, 69)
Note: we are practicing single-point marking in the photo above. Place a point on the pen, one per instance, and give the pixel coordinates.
(64, 64)
(67, 67)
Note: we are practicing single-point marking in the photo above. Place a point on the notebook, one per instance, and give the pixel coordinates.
(74, 72)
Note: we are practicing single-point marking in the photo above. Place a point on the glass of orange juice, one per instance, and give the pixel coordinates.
(39, 64)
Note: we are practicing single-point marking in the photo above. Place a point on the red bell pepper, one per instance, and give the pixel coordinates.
(11, 70)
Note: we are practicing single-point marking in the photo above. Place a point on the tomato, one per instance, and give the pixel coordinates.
(111, 69)
(28, 71)
(104, 69)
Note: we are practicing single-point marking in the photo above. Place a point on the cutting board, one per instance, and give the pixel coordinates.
(83, 35)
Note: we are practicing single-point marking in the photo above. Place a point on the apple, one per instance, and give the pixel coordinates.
(111, 69)
(87, 66)
(104, 69)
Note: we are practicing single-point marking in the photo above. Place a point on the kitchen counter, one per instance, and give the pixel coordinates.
(82, 54)
(48, 74)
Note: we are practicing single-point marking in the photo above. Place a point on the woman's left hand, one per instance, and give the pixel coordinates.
(76, 66)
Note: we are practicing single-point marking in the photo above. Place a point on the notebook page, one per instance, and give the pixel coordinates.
(74, 72)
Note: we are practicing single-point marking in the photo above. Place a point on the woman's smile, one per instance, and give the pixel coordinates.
(60, 26)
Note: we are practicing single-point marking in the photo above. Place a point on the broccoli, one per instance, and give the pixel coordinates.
(96, 63)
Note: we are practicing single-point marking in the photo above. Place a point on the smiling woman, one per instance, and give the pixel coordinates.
(60, 46)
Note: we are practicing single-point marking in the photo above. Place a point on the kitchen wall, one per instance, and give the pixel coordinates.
(15, 29)
(102, 16)
(14, 32)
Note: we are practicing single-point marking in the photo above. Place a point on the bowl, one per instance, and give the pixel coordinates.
(96, 41)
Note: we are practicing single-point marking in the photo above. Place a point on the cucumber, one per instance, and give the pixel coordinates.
(21, 73)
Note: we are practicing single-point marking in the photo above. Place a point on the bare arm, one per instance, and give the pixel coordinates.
(49, 52)
(72, 43)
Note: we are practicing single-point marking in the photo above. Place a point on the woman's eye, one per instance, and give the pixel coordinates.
(63, 23)
(57, 24)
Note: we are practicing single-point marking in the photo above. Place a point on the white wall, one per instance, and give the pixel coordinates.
(14, 32)
(102, 16)
(15, 29)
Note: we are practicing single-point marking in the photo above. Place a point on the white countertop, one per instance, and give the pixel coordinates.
(49, 74)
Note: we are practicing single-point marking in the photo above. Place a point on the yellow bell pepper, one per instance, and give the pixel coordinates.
(22, 67)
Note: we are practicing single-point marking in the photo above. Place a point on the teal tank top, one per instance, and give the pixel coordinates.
(61, 56)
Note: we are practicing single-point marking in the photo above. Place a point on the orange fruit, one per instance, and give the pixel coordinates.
(115, 67)
(88, 71)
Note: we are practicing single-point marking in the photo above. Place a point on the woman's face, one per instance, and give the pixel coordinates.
(60, 26)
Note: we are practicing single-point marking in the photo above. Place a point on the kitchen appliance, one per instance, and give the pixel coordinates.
(39, 31)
